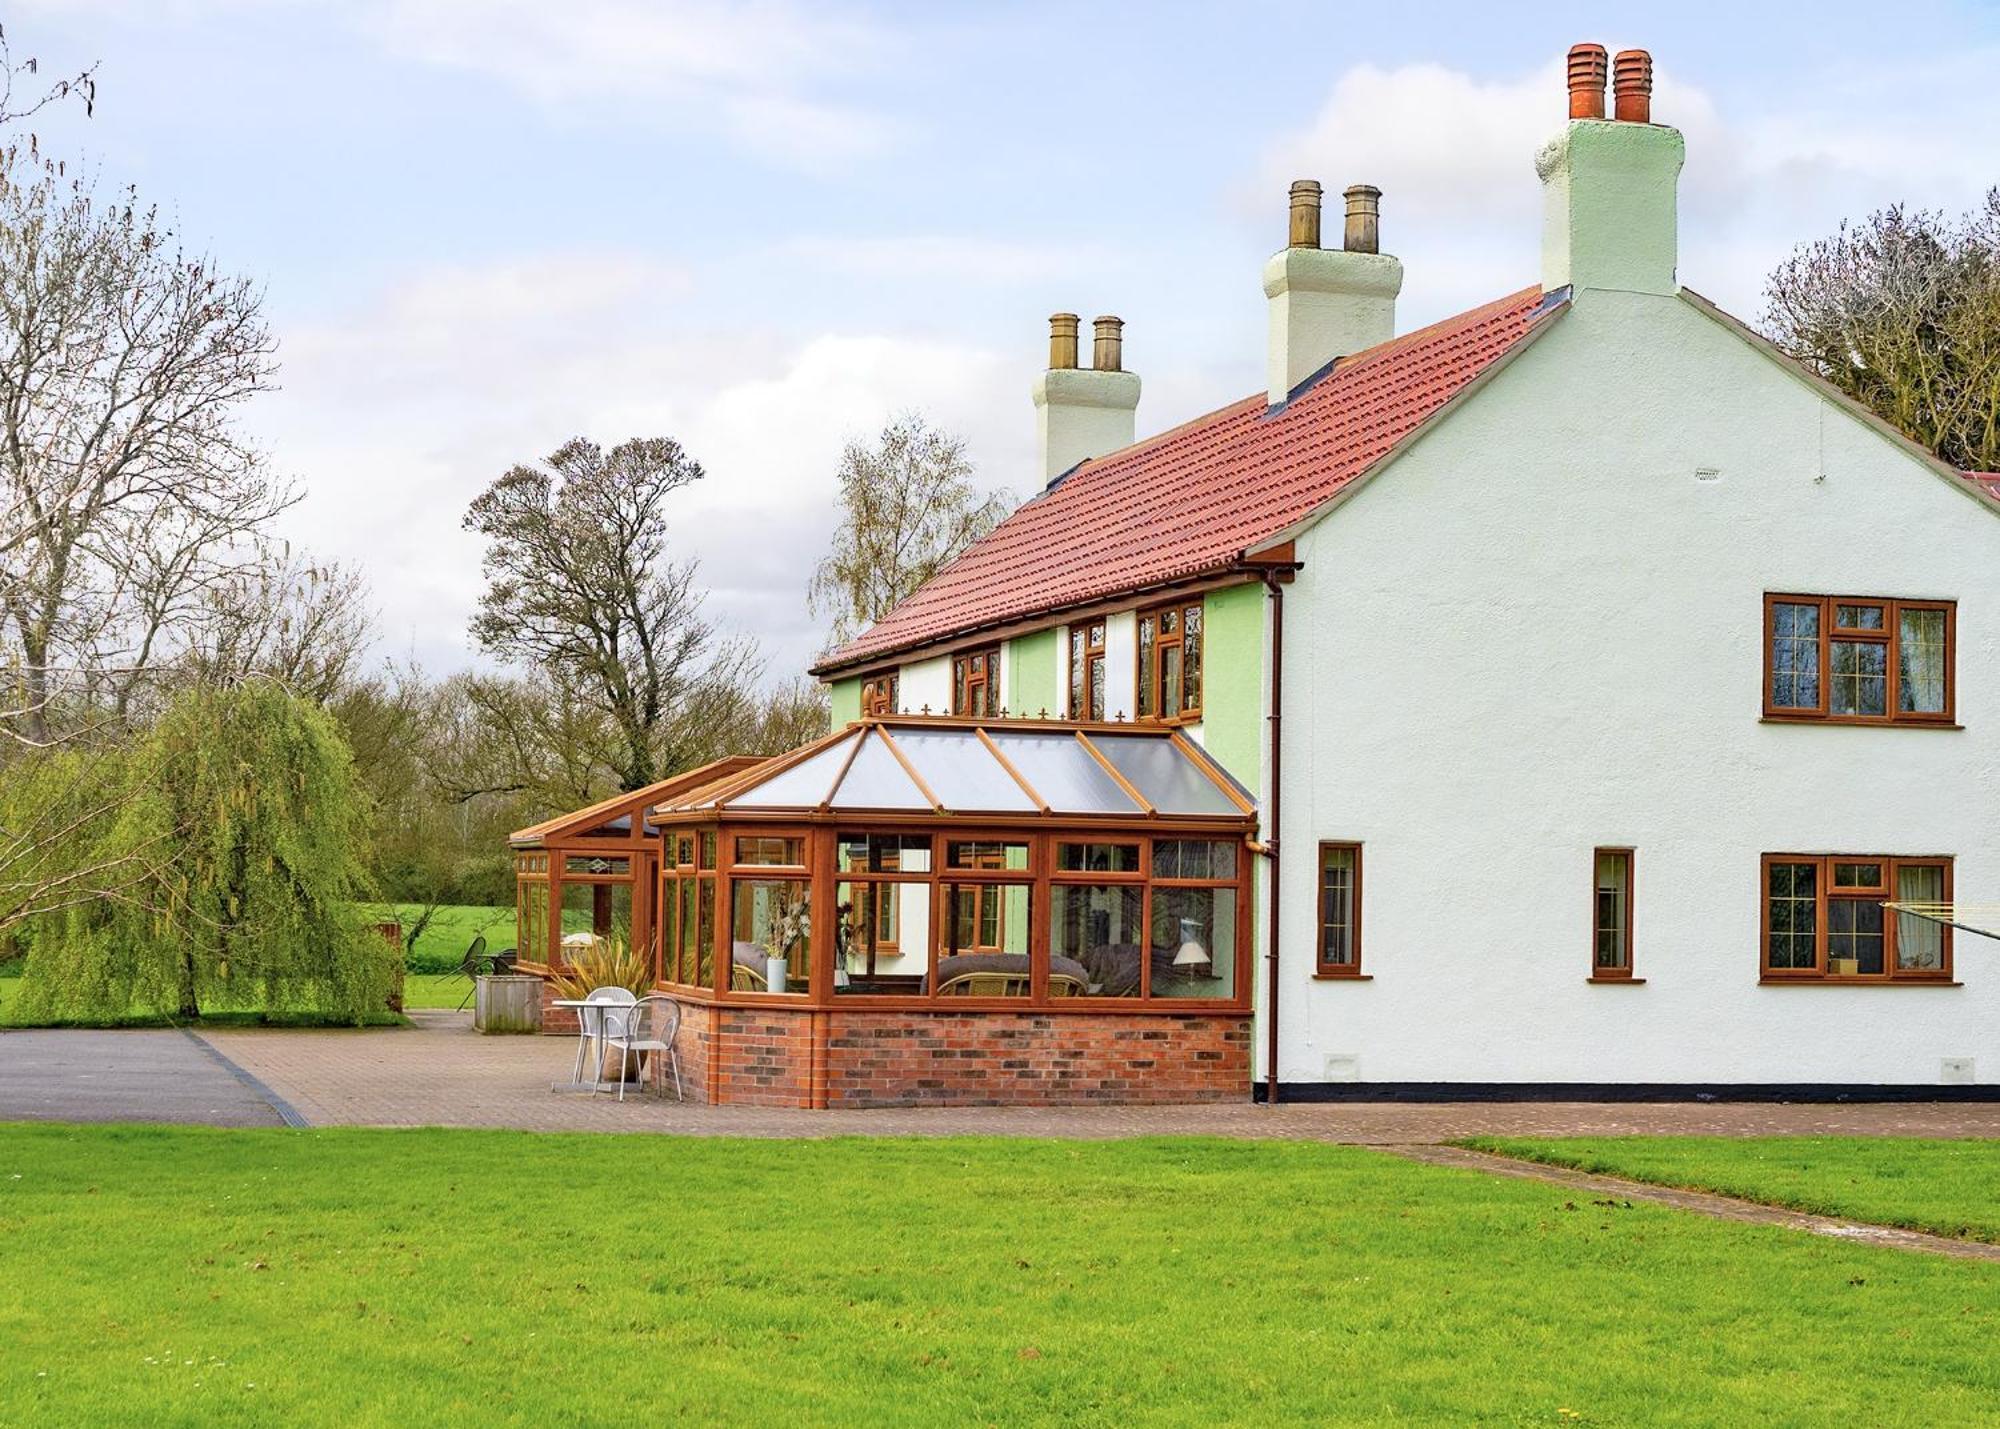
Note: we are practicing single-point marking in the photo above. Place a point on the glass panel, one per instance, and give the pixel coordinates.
(1170, 680)
(1097, 705)
(1168, 779)
(1094, 940)
(1063, 773)
(598, 864)
(962, 772)
(1097, 858)
(666, 938)
(1097, 635)
(1793, 909)
(708, 849)
(618, 828)
(1078, 694)
(1857, 617)
(1613, 891)
(1146, 670)
(705, 934)
(1194, 942)
(688, 929)
(876, 781)
(803, 786)
(883, 853)
(1860, 683)
(1920, 662)
(1919, 941)
(531, 913)
(986, 854)
(1336, 928)
(958, 705)
(1170, 622)
(986, 952)
(1857, 875)
(684, 850)
(1795, 656)
(768, 851)
(1854, 940)
(595, 912)
(882, 938)
(1191, 660)
(770, 928)
(1194, 858)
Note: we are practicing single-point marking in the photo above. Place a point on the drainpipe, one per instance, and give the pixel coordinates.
(1276, 724)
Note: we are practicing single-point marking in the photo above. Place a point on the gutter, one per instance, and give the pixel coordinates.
(1276, 727)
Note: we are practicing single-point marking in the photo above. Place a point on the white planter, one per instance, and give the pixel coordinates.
(774, 973)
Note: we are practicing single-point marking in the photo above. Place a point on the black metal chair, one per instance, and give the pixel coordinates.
(471, 966)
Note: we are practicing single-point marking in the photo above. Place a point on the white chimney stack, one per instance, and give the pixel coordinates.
(1084, 412)
(1608, 185)
(1328, 302)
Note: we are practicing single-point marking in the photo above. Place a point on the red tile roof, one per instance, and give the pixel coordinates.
(1194, 500)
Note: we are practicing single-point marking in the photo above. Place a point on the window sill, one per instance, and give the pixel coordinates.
(1617, 981)
(1343, 977)
(1858, 982)
(1862, 721)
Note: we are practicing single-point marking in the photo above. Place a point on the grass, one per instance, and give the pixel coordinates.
(1949, 1188)
(451, 931)
(435, 990)
(182, 1276)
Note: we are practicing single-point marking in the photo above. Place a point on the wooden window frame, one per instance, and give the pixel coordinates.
(1084, 656)
(1889, 637)
(1150, 688)
(1631, 857)
(1825, 894)
(879, 695)
(964, 681)
(1321, 967)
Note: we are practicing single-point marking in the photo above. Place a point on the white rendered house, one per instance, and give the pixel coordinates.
(1600, 673)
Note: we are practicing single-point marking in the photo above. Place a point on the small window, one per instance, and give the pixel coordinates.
(879, 695)
(975, 683)
(994, 856)
(1611, 952)
(1097, 858)
(771, 852)
(1859, 660)
(1086, 671)
(1170, 661)
(1825, 918)
(1340, 909)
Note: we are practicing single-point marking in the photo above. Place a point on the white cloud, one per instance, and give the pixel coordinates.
(756, 71)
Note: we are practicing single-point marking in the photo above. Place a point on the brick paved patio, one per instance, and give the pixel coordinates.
(441, 1073)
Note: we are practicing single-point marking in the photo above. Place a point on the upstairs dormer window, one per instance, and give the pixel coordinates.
(1860, 659)
(975, 683)
(1170, 661)
(1086, 670)
(878, 695)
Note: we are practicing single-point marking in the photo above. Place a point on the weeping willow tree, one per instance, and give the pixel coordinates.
(245, 826)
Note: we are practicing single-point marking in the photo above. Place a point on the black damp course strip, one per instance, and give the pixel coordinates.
(1775, 1092)
(287, 1113)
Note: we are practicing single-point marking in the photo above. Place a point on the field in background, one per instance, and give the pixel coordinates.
(1945, 1187)
(450, 933)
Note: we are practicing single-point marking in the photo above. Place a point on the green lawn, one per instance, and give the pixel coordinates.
(435, 990)
(191, 1276)
(452, 930)
(1947, 1187)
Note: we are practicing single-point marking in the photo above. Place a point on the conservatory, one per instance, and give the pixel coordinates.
(947, 910)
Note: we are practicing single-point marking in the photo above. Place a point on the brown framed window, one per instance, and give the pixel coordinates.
(1086, 670)
(975, 682)
(1611, 900)
(1824, 920)
(1860, 659)
(1170, 661)
(879, 695)
(1340, 909)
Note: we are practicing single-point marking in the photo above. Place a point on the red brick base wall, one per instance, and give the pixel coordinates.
(766, 1057)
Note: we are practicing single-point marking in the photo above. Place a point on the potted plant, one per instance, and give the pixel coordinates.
(788, 922)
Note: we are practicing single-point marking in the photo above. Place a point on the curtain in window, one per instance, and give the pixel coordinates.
(1920, 662)
(1919, 942)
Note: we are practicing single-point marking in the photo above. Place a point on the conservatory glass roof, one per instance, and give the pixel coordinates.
(956, 766)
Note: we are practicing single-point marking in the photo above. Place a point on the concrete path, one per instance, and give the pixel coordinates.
(441, 1073)
(1613, 1189)
(140, 1074)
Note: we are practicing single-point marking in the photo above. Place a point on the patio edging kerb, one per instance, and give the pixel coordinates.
(287, 1113)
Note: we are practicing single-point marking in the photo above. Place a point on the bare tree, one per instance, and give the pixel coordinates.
(1902, 312)
(908, 508)
(579, 586)
(126, 492)
(303, 623)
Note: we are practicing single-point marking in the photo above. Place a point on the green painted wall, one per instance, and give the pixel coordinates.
(1032, 674)
(845, 698)
(1232, 682)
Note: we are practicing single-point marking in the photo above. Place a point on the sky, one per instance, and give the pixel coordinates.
(486, 226)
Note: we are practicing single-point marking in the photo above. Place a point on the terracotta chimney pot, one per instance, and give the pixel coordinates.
(1587, 69)
(1632, 86)
(1107, 349)
(1062, 340)
(1305, 214)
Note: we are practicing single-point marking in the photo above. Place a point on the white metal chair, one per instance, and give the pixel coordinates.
(649, 1025)
(590, 1030)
